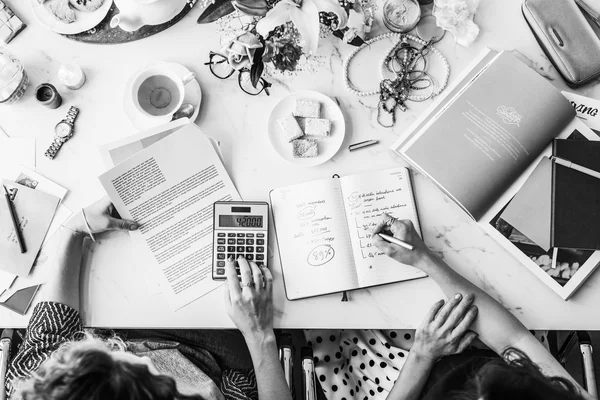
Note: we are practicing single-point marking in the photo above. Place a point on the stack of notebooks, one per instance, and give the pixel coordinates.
(487, 145)
(38, 210)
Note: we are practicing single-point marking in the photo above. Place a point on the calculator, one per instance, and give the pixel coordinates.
(241, 228)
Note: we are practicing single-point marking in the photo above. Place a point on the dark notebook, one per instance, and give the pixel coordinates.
(576, 196)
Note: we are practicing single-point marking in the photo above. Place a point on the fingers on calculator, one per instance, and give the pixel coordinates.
(250, 246)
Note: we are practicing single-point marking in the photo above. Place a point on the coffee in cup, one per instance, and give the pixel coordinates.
(158, 92)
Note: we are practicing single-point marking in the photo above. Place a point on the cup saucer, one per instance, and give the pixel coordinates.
(193, 95)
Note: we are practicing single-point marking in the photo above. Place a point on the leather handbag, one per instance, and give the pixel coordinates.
(566, 37)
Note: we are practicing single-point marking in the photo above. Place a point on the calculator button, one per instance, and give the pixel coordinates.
(220, 271)
(240, 255)
(221, 248)
(220, 256)
(240, 249)
(249, 249)
(241, 241)
(260, 235)
(220, 234)
(231, 235)
(230, 248)
(241, 235)
(250, 257)
(221, 264)
(260, 242)
(220, 241)
(230, 241)
(249, 234)
(260, 257)
(250, 242)
(260, 249)
(260, 264)
(230, 256)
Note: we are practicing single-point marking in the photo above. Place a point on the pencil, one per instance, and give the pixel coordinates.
(13, 217)
(399, 242)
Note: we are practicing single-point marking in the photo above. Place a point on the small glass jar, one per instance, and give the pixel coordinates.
(13, 78)
(401, 15)
(71, 75)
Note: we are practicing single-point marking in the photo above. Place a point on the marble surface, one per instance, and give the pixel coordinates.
(114, 290)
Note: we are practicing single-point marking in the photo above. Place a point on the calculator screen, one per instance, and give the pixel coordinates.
(241, 221)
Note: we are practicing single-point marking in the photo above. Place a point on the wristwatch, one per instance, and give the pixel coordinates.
(62, 132)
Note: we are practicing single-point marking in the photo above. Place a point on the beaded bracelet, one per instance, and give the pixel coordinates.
(400, 37)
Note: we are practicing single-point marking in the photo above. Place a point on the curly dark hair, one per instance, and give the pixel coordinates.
(516, 377)
(86, 370)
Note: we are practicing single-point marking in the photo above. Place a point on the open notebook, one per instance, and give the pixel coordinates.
(323, 231)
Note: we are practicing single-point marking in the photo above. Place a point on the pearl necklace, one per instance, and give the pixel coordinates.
(400, 37)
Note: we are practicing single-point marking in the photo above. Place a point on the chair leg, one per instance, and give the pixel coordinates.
(589, 371)
(5, 343)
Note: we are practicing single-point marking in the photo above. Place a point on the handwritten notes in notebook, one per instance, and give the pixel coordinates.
(368, 197)
(313, 238)
(323, 230)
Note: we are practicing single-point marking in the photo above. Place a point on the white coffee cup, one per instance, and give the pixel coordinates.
(158, 92)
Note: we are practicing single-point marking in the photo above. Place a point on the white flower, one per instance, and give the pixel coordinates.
(240, 51)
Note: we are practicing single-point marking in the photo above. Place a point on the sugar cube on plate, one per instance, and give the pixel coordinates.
(290, 128)
(307, 108)
(305, 148)
(317, 127)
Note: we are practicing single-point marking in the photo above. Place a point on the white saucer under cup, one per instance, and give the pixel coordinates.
(192, 95)
(328, 146)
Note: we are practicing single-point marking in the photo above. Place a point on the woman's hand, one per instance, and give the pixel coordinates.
(250, 304)
(404, 231)
(445, 330)
(101, 216)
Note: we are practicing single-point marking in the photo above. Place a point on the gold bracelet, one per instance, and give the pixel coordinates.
(88, 226)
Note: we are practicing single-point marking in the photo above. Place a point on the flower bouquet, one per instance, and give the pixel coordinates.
(283, 31)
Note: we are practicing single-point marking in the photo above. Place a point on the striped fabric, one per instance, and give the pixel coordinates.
(51, 325)
(239, 385)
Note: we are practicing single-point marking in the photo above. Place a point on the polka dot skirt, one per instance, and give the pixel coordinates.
(358, 364)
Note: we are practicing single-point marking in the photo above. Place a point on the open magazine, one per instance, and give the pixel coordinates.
(482, 141)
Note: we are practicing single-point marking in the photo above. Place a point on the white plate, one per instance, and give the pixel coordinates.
(328, 146)
(193, 95)
(85, 20)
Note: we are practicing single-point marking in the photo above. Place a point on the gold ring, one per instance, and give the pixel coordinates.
(390, 221)
(249, 284)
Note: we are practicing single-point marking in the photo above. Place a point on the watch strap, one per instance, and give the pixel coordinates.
(71, 115)
(54, 148)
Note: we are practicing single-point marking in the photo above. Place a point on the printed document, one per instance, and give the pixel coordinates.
(169, 188)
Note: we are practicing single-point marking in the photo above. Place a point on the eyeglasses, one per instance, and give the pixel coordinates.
(220, 67)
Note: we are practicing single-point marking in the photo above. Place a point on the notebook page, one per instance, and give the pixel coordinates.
(366, 198)
(314, 247)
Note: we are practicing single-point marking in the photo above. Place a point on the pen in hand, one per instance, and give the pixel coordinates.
(399, 242)
(13, 217)
(391, 239)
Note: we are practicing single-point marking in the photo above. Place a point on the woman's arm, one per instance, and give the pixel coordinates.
(444, 331)
(63, 284)
(250, 306)
(497, 327)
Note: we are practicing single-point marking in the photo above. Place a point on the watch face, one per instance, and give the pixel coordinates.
(63, 130)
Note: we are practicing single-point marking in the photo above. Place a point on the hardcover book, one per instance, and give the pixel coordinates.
(484, 138)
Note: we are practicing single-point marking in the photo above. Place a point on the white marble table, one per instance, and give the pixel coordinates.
(113, 293)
